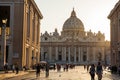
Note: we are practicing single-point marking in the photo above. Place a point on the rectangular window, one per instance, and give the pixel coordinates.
(5, 14)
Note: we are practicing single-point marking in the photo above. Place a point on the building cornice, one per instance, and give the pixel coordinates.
(39, 12)
(113, 10)
(19, 2)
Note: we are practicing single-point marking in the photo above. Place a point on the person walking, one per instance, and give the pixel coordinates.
(99, 71)
(13, 68)
(92, 71)
(119, 70)
(64, 67)
(47, 70)
(84, 66)
(67, 66)
(17, 68)
(87, 67)
(38, 70)
(6, 68)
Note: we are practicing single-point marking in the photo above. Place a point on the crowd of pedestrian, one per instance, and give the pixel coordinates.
(92, 69)
(98, 70)
(114, 69)
(13, 67)
(46, 67)
(43, 67)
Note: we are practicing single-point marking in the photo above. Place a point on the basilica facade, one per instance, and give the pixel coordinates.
(74, 44)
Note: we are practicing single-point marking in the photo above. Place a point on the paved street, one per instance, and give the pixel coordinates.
(73, 74)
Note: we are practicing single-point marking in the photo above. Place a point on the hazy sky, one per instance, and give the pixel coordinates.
(93, 14)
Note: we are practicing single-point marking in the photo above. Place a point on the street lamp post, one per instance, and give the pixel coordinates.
(3, 45)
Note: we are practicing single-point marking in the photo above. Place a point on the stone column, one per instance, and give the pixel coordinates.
(30, 56)
(42, 53)
(69, 54)
(88, 54)
(64, 54)
(27, 57)
(31, 25)
(103, 54)
(94, 54)
(75, 54)
(10, 54)
(50, 52)
(79, 56)
(56, 53)
(36, 29)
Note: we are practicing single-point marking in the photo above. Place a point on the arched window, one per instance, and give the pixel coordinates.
(59, 56)
(77, 56)
(66, 56)
(84, 58)
(99, 56)
(45, 55)
(71, 58)
(46, 38)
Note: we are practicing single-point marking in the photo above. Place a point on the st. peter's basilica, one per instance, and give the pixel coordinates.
(74, 44)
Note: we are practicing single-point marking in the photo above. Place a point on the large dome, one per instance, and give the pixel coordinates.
(73, 23)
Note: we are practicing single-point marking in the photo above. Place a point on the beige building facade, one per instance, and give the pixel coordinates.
(22, 32)
(74, 44)
(114, 17)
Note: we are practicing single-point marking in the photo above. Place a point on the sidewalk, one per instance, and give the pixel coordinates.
(73, 74)
(4, 75)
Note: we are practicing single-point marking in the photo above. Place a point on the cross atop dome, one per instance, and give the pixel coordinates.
(73, 13)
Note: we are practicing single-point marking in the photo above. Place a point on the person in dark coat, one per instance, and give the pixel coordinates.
(92, 71)
(99, 71)
(47, 70)
(6, 68)
(119, 70)
(38, 70)
(13, 68)
(87, 67)
(17, 68)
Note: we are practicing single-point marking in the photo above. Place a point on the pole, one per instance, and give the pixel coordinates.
(3, 46)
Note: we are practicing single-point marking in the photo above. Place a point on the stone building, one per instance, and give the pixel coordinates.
(74, 44)
(22, 32)
(114, 17)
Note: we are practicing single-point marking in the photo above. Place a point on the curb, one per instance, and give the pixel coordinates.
(11, 75)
